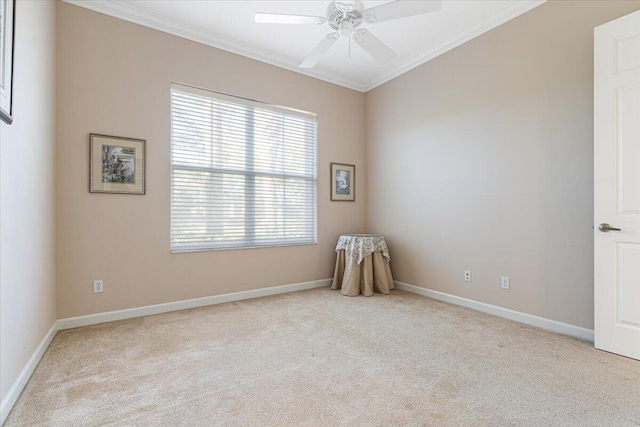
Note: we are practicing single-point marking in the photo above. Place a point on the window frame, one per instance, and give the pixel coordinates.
(253, 105)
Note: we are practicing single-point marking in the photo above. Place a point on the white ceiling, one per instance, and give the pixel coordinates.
(230, 25)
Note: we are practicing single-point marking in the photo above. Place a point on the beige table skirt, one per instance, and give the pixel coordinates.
(373, 274)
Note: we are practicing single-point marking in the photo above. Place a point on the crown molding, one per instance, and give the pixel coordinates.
(489, 23)
(123, 9)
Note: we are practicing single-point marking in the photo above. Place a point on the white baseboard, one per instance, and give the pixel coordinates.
(528, 319)
(110, 316)
(92, 319)
(17, 387)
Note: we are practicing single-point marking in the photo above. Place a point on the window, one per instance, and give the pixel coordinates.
(243, 173)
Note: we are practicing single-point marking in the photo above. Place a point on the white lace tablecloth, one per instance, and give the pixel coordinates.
(358, 246)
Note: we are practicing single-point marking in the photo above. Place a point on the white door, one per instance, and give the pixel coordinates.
(617, 186)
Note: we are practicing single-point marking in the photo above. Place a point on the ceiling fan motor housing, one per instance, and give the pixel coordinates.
(351, 12)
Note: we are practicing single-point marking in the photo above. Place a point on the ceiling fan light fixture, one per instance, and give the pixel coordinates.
(346, 29)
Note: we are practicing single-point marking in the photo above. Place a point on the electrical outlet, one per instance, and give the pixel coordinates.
(97, 286)
(504, 282)
(467, 275)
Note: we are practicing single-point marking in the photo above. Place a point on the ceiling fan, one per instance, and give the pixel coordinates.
(346, 16)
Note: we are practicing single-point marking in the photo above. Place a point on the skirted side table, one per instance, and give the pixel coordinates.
(362, 265)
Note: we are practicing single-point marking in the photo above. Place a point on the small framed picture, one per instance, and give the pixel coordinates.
(343, 182)
(117, 165)
(7, 31)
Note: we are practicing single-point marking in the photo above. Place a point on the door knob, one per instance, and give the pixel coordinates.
(604, 227)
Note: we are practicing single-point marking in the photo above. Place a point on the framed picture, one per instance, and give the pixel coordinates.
(343, 182)
(7, 22)
(117, 165)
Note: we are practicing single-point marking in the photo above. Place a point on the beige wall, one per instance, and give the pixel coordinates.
(482, 159)
(114, 78)
(27, 194)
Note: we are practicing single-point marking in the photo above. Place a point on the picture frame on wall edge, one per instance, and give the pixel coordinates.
(7, 46)
(117, 164)
(343, 182)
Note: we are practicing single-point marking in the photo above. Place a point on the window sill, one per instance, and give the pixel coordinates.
(233, 248)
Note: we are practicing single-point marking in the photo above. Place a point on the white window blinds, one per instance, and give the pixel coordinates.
(243, 173)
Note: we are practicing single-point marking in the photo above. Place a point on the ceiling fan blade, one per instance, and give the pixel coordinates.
(320, 50)
(373, 45)
(401, 9)
(278, 18)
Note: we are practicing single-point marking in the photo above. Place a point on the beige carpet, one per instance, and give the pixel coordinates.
(316, 358)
